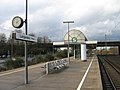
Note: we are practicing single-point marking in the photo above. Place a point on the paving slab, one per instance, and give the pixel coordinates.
(68, 79)
(93, 79)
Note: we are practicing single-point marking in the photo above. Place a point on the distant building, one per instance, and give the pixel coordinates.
(44, 39)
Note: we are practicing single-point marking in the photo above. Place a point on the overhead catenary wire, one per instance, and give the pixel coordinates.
(115, 24)
(112, 29)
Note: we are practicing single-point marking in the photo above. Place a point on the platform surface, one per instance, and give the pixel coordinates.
(68, 79)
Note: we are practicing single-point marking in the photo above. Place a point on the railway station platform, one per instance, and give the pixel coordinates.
(79, 76)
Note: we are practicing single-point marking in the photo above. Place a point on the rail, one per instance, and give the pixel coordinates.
(112, 71)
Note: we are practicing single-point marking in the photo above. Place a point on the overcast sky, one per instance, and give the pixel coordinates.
(94, 18)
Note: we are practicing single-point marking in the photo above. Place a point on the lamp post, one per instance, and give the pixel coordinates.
(68, 22)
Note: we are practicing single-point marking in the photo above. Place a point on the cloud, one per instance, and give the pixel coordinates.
(94, 18)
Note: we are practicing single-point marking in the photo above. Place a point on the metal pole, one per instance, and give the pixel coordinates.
(11, 48)
(106, 43)
(68, 44)
(74, 51)
(68, 38)
(26, 64)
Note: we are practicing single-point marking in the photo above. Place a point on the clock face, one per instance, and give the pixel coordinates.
(17, 22)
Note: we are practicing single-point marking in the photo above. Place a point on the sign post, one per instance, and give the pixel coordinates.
(17, 22)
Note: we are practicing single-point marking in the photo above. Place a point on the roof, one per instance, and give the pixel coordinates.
(75, 36)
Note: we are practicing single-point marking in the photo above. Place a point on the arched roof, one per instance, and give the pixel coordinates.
(75, 36)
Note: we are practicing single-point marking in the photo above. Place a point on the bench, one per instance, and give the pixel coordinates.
(56, 66)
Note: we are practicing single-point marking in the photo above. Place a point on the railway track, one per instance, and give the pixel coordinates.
(110, 72)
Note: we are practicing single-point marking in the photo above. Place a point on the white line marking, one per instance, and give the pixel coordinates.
(83, 79)
(31, 67)
(11, 72)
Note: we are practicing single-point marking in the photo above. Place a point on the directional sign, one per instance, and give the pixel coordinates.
(23, 37)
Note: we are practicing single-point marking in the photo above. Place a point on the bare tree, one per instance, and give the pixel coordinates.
(2, 38)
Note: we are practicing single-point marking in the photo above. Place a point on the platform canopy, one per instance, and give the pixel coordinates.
(75, 37)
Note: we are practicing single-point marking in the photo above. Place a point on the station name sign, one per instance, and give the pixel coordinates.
(24, 37)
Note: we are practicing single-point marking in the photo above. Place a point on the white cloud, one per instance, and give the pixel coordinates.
(93, 17)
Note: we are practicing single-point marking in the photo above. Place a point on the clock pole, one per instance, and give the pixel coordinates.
(26, 62)
(17, 22)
